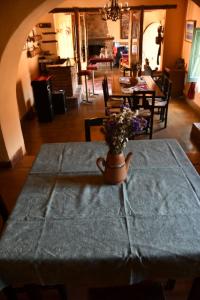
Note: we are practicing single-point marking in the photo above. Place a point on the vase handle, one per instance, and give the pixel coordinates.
(128, 160)
(101, 162)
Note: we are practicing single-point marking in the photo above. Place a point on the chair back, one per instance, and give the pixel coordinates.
(89, 123)
(105, 90)
(167, 88)
(144, 102)
(3, 213)
(167, 96)
(112, 104)
(163, 81)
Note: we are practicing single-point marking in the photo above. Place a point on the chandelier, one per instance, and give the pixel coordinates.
(113, 11)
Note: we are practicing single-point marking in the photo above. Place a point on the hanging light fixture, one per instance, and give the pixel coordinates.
(113, 11)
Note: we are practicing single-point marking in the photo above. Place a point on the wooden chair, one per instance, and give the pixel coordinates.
(147, 290)
(32, 291)
(162, 103)
(159, 79)
(127, 71)
(3, 213)
(85, 74)
(9, 292)
(112, 105)
(89, 123)
(144, 103)
(162, 81)
(194, 293)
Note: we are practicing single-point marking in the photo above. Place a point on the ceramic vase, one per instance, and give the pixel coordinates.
(115, 167)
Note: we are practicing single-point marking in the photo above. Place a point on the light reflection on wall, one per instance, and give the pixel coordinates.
(63, 26)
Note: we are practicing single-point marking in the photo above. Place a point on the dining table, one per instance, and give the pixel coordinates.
(69, 226)
(121, 85)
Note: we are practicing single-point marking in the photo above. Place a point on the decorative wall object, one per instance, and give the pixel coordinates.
(33, 44)
(189, 30)
(124, 25)
(44, 25)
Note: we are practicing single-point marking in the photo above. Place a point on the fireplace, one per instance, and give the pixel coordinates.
(98, 35)
(94, 50)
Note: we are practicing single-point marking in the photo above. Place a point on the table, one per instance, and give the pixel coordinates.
(68, 226)
(94, 60)
(144, 83)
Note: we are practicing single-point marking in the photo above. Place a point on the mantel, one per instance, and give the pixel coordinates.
(101, 38)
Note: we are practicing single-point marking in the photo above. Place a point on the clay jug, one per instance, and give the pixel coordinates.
(115, 167)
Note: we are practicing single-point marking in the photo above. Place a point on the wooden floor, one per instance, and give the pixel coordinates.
(70, 127)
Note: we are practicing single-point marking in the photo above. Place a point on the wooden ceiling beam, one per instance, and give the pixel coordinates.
(96, 9)
(197, 2)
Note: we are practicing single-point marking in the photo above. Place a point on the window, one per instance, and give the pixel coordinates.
(194, 65)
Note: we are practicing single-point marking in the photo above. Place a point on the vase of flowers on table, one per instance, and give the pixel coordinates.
(118, 129)
(135, 70)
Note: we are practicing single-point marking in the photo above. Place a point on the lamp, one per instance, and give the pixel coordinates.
(113, 11)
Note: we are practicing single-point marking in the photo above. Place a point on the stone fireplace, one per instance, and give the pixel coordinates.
(98, 36)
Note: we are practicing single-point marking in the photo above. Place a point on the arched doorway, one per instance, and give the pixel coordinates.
(21, 19)
(153, 19)
(150, 48)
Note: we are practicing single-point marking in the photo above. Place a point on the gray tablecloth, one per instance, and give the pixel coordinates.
(69, 226)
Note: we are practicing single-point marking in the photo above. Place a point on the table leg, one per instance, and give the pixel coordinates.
(10, 293)
(86, 92)
(93, 93)
(75, 293)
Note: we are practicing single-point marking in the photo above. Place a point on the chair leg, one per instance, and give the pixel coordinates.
(170, 284)
(3, 210)
(166, 115)
(162, 111)
(10, 293)
(150, 134)
(151, 126)
(93, 93)
(62, 291)
(33, 291)
(194, 293)
(86, 92)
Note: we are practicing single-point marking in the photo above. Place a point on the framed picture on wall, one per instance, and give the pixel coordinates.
(189, 30)
(124, 26)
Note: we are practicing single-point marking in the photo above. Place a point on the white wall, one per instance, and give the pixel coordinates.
(63, 27)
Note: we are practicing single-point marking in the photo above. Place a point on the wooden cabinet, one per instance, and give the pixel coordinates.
(43, 98)
(177, 76)
(63, 78)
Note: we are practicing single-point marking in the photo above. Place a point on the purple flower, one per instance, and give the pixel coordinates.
(118, 128)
